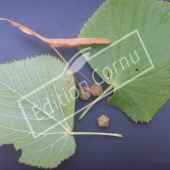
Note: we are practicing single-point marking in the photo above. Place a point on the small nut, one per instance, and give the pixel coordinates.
(84, 93)
(103, 121)
(96, 89)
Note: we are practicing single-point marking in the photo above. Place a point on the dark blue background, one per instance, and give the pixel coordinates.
(143, 146)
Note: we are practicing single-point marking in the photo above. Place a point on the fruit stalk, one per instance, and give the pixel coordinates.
(70, 66)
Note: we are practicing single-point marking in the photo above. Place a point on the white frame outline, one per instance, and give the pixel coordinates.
(101, 51)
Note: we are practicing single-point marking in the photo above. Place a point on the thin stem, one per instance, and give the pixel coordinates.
(83, 76)
(77, 81)
(94, 133)
(70, 66)
(95, 101)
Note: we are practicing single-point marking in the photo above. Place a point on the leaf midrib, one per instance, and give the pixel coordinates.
(33, 105)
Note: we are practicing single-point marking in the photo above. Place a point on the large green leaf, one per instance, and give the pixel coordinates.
(28, 83)
(141, 98)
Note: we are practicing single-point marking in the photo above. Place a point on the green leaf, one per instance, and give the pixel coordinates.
(141, 98)
(24, 84)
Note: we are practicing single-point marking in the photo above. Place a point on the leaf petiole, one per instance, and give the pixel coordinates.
(96, 100)
(94, 133)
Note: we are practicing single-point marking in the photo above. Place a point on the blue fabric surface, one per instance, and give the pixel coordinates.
(143, 146)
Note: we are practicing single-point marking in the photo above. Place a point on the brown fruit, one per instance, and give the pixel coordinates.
(103, 121)
(84, 93)
(96, 89)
